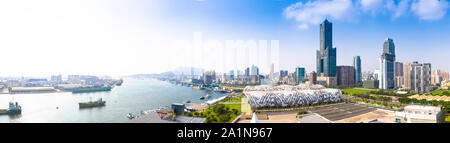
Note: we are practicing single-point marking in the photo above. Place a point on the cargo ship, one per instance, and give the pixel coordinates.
(91, 104)
(12, 110)
(91, 89)
(198, 87)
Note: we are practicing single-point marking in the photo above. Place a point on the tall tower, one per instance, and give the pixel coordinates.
(387, 65)
(326, 56)
(357, 67)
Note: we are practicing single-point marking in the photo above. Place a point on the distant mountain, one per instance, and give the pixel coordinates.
(177, 71)
(144, 76)
(188, 71)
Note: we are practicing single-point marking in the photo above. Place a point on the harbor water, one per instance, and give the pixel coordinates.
(133, 96)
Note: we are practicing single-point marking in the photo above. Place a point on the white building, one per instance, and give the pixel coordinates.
(421, 114)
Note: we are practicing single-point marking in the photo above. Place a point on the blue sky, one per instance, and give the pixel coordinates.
(87, 34)
(419, 29)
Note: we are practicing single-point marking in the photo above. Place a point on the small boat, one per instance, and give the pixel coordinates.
(207, 96)
(189, 101)
(130, 116)
(203, 97)
(144, 112)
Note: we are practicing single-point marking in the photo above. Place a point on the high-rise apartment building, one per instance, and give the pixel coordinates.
(417, 77)
(345, 75)
(313, 78)
(399, 74)
(387, 65)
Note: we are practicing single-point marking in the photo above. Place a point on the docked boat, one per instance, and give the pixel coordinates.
(91, 89)
(91, 104)
(3, 111)
(207, 96)
(203, 97)
(14, 108)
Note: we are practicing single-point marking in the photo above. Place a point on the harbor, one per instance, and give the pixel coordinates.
(133, 96)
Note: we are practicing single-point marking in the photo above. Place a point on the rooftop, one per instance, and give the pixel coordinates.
(313, 118)
(422, 107)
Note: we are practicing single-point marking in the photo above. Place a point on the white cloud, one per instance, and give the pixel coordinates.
(399, 9)
(371, 5)
(313, 12)
(429, 9)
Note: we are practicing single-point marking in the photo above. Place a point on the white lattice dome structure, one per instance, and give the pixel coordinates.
(287, 95)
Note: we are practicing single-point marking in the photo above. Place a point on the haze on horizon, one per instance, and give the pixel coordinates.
(118, 37)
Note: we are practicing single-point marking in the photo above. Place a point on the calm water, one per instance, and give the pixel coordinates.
(133, 96)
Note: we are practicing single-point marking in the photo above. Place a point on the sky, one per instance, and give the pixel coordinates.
(123, 37)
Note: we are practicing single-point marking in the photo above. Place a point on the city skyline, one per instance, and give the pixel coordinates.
(117, 39)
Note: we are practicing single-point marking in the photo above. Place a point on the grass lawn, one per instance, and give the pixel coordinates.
(234, 106)
(245, 107)
(353, 91)
(232, 100)
(440, 92)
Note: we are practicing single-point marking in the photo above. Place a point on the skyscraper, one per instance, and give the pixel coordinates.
(387, 65)
(326, 56)
(357, 69)
(299, 75)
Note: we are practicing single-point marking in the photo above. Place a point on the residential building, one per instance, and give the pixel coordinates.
(345, 75)
(371, 83)
(313, 78)
(417, 77)
(399, 80)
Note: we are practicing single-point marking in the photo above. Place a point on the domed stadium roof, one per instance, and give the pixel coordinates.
(287, 95)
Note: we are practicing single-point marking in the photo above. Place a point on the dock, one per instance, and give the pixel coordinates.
(152, 117)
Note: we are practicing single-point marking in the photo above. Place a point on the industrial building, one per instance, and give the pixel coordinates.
(421, 114)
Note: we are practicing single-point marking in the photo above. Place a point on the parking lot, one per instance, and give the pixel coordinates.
(340, 111)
